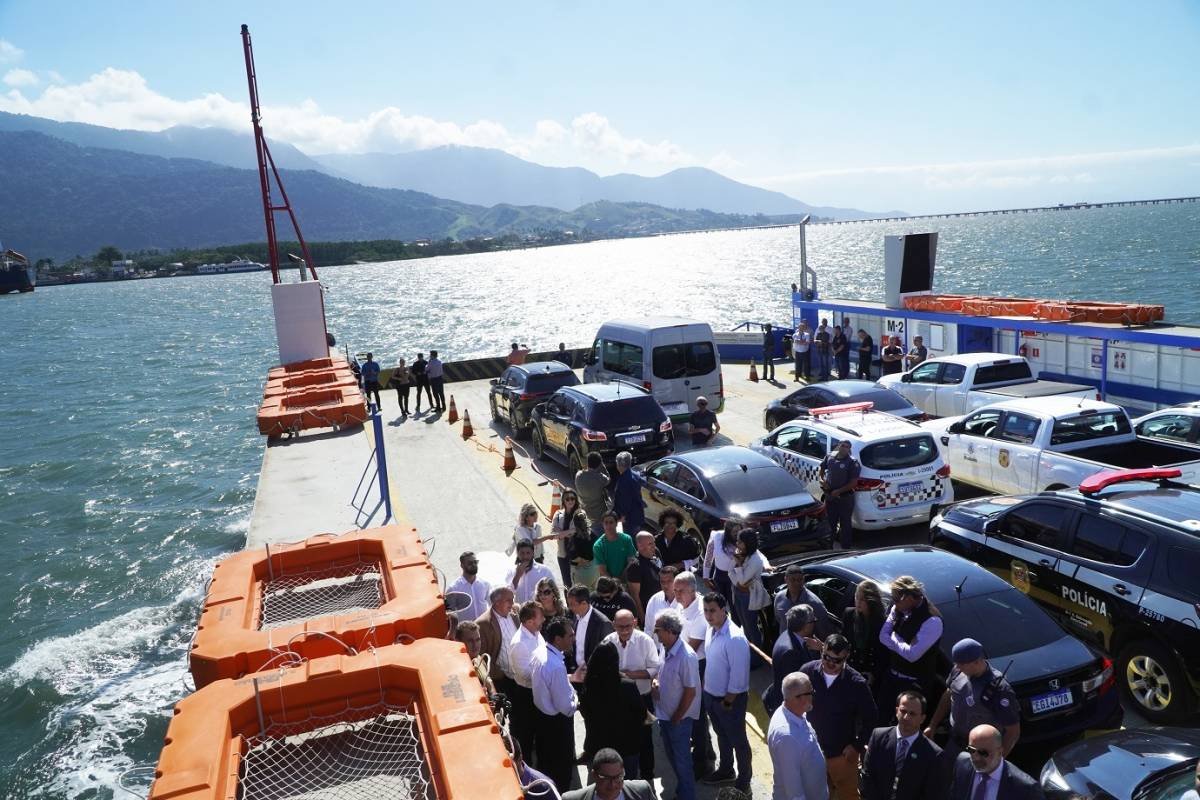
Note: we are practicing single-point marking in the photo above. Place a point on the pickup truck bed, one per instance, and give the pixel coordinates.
(1038, 388)
(1137, 455)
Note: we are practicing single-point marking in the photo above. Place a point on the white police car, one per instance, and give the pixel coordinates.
(903, 480)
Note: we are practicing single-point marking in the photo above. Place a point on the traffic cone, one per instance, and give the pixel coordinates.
(467, 431)
(555, 499)
(510, 461)
(452, 415)
(753, 371)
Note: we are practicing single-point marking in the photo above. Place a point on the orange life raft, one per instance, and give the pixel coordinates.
(364, 588)
(1054, 310)
(324, 378)
(337, 406)
(1119, 313)
(410, 720)
(946, 303)
(302, 366)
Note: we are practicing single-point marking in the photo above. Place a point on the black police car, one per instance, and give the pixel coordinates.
(1064, 685)
(711, 485)
(522, 386)
(1116, 561)
(836, 393)
(1134, 764)
(603, 418)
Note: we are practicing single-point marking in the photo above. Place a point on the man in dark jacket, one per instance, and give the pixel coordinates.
(984, 764)
(768, 353)
(843, 714)
(627, 496)
(794, 648)
(901, 764)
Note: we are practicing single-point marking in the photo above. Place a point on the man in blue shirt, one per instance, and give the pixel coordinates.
(627, 497)
(370, 376)
(795, 753)
(726, 691)
(555, 704)
(676, 692)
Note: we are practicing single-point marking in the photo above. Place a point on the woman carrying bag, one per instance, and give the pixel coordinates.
(567, 523)
(749, 594)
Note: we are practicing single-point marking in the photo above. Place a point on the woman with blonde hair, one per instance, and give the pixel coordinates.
(911, 632)
(528, 527)
(549, 597)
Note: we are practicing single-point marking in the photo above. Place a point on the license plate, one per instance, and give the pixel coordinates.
(636, 438)
(785, 525)
(1052, 700)
(910, 488)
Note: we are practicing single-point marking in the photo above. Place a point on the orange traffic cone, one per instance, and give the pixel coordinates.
(555, 499)
(467, 431)
(452, 414)
(753, 371)
(510, 461)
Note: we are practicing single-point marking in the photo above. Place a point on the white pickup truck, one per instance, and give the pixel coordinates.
(953, 385)
(1024, 446)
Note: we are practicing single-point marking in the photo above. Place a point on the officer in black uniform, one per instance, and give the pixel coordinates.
(839, 474)
(768, 353)
(976, 694)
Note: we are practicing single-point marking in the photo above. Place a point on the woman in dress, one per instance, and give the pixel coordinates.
(749, 594)
(401, 381)
(569, 529)
(613, 713)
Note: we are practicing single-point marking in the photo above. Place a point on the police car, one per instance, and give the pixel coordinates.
(1116, 561)
(903, 480)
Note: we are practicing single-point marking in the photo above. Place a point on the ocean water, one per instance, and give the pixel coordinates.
(129, 457)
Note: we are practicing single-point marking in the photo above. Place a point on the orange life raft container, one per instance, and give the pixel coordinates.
(337, 406)
(410, 720)
(1001, 307)
(303, 366)
(946, 303)
(324, 378)
(1089, 311)
(366, 588)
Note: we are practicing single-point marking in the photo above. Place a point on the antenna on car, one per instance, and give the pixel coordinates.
(958, 589)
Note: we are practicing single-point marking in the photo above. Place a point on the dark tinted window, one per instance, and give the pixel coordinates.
(1183, 565)
(1003, 622)
(912, 451)
(541, 384)
(1089, 426)
(1103, 540)
(953, 373)
(756, 484)
(999, 373)
(790, 439)
(926, 373)
(623, 359)
(684, 360)
(1171, 426)
(637, 410)
(982, 423)
(884, 400)
(686, 481)
(1038, 523)
(1018, 428)
(815, 445)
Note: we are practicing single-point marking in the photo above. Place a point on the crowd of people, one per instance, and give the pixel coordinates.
(640, 633)
(819, 354)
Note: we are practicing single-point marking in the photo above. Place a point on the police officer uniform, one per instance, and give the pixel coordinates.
(836, 473)
(986, 700)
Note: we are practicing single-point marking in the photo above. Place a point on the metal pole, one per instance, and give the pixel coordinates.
(385, 490)
(1104, 369)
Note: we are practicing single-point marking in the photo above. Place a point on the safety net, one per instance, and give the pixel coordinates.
(320, 592)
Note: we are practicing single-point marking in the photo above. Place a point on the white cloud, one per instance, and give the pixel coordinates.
(20, 77)
(593, 133)
(56, 77)
(10, 53)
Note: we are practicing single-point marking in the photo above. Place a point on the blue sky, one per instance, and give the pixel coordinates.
(921, 106)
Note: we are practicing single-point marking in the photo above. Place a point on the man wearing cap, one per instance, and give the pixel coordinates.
(839, 474)
(704, 423)
(976, 694)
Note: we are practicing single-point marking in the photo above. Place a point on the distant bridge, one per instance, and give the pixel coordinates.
(1070, 207)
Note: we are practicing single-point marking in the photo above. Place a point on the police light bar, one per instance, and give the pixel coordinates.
(867, 406)
(1097, 482)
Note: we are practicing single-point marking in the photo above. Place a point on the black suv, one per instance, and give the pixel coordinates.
(522, 386)
(1116, 561)
(603, 418)
(1064, 686)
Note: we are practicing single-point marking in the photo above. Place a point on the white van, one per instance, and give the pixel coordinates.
(675, 359)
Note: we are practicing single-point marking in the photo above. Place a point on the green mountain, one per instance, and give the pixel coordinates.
(61, 199)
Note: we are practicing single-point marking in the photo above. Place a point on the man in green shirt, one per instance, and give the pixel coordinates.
(613, 551)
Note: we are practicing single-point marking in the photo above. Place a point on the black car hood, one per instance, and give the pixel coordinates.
(1118, 762)
(972, 514)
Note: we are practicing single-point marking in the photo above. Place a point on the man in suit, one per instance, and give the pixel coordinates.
(794, 648)
(920, 774)
(982, 773)
(591, 626)
(610, 781)
(496, 627)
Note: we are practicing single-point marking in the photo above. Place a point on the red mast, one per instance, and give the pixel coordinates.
(265, 159)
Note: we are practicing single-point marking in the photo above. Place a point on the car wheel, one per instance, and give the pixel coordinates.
(574, 464)
(513, 422)
(773, 422)
(539, 444)
(1153, 682)
(495, 413)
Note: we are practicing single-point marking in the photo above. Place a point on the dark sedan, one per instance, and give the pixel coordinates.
(1141, 763)
(710, 486)
(836, 393)
(1064, 686)
(522, 386)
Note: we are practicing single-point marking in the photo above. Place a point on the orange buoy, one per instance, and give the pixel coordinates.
(510, 461)
(467, 430)
(452, 414)
(307, 599)
(408, 720)
(555, 499)
(753, 371)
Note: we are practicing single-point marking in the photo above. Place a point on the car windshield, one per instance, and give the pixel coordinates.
(911, 451)
(639, 409)
(1004, 622)
(753, 485)
(544, 384)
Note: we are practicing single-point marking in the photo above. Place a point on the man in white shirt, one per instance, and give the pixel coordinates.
(726, 691)
(662, 600)
(590, 625)
(555, 704)
(470, 584)
(437, 381)
(691, 609)
(524, 575)
(521, 648)
(792, 742)
(639, 661)
(801, 341)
